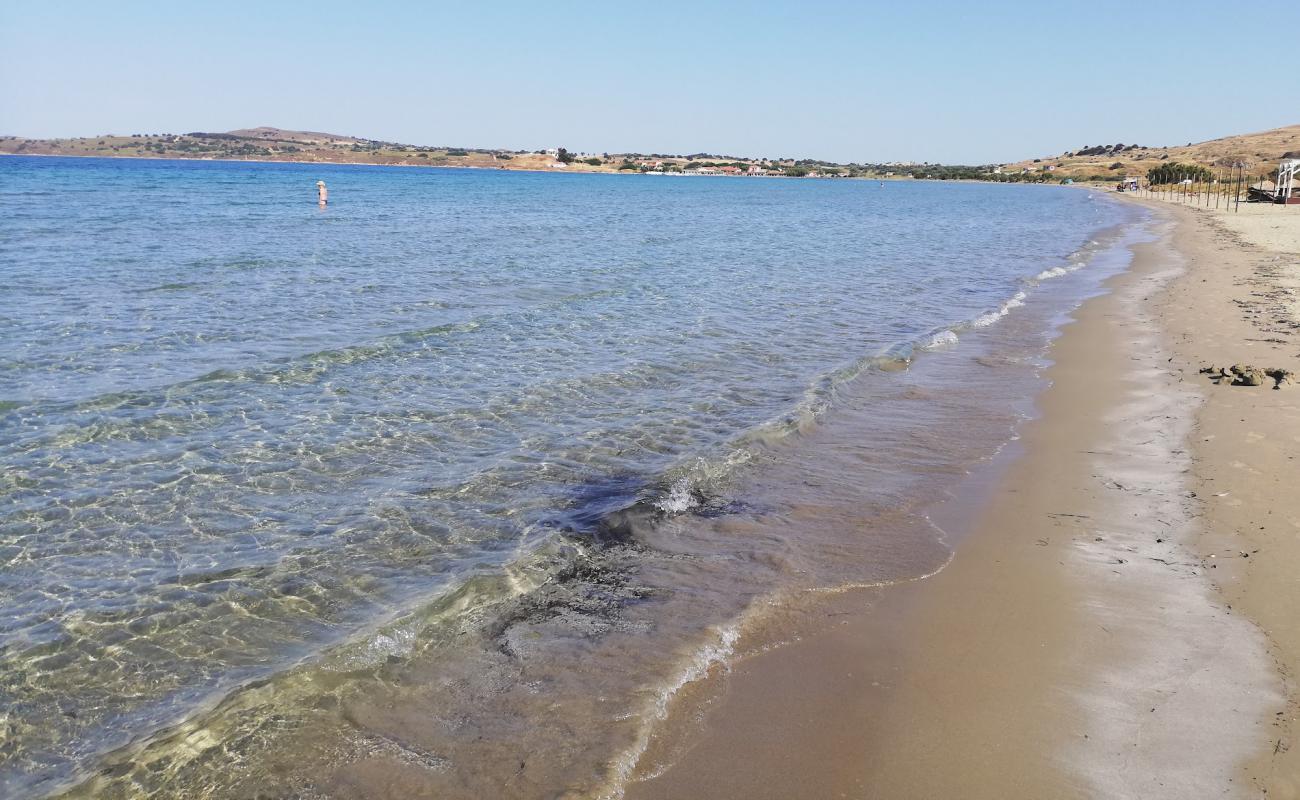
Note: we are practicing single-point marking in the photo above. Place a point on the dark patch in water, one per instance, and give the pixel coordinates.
(620, 509)
(169, 287)
(710, 507)
(585, 598)
(607, 510)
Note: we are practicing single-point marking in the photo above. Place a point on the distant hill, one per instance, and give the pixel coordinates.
(302, 137)
(1259, 152)
(278, 144)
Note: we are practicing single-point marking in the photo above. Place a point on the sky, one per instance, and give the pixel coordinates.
(948, 82)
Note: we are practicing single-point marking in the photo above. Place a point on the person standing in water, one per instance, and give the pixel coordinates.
(323, 194)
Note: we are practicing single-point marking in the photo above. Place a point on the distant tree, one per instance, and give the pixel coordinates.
(1173, 172)
(595, 162)
(564, 156)
(457, 152)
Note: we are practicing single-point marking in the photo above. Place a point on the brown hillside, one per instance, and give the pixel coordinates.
(305, 137)
(1259, 152)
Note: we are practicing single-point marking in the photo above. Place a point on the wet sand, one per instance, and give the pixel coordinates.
(1118, 620)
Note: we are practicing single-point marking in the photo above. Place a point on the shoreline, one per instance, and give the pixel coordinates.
(1083, 667)
(890, 179)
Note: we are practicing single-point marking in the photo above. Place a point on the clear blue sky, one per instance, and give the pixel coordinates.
(871, 81)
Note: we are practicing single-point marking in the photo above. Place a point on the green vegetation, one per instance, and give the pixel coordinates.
(1173, 172)
(948, 173)
(595, 162)
(564, 156)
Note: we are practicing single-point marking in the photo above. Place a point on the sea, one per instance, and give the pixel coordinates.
(448, 488)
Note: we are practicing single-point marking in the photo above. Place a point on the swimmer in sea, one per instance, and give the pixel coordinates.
(323, 194)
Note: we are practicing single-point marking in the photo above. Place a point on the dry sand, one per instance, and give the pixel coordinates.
(1120, 620)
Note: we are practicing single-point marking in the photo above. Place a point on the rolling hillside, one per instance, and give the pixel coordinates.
(276, 144)
(1260, 152)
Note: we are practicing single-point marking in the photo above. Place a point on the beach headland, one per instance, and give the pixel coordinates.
(1118, 618)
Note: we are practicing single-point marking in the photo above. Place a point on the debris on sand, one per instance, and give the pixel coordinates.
(1249, 375)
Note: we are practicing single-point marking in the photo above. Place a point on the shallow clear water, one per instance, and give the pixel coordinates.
(242, 434)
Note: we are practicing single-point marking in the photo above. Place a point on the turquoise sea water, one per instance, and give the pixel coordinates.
(241, 434)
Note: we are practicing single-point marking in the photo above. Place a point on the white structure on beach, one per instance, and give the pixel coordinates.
(1288, 172)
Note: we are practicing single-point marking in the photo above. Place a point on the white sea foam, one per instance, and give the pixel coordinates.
(1054, 272)
(680, 498)
(715, 653)
(940, 340)
(988, 319)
